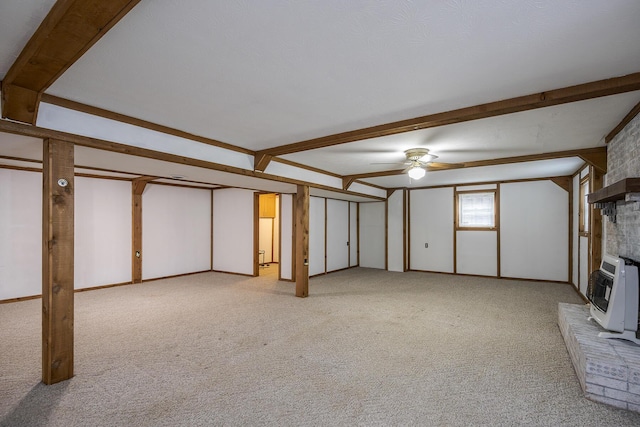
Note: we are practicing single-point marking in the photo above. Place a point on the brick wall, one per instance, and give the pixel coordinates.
(623, 238)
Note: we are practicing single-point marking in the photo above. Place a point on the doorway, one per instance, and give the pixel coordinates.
(268, 223)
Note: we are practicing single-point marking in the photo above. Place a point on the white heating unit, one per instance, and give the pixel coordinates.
(613, 292)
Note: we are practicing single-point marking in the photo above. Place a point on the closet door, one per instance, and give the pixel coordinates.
(316, 236)
(337, 235)
(431, 229)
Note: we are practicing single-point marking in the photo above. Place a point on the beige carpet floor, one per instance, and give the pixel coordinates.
(368, 347)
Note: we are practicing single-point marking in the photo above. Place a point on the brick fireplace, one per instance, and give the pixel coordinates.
(609, 369)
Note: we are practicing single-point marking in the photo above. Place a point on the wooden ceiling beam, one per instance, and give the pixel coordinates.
(595, 156)
(67, 32)
(346, 182)
(625, 121)
(261, 161)
(596, 159)
(564, 182)
(581, 92)
(138, 184)
(101, 144)
(352, 178)
(95, 111)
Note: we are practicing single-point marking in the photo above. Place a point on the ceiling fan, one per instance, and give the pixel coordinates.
(418, 159)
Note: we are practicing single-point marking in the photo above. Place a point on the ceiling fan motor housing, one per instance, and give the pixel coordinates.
(416, 153)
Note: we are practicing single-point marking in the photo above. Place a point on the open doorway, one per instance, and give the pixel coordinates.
(268, 234)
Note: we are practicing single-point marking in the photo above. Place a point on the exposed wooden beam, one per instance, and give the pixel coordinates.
(137, 188)
(564, 182)
(534, 157)
(590, 155)
(306, 167)
(57, 261)
(596, 159)
(261, 161)
(302, 241)
(100, 144)
(95, 111)
(565, 95)
(139, 184)
(346, 182)
(625, 121)
(67, 32)
(373, 174)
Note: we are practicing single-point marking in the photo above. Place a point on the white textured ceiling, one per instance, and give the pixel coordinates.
(559, 128)
(262, 74)
(18, 21)
(508, 172)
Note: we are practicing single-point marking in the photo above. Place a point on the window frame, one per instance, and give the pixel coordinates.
(458, 206)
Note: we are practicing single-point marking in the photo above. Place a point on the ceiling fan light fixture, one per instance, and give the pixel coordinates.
(416, 172)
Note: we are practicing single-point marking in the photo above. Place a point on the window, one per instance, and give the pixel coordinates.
(583, 212)
(477, 209)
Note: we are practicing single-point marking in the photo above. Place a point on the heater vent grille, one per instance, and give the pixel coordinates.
(599, 289)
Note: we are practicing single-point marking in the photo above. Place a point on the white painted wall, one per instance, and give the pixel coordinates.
(431, 222)
(337, 234)
(176, 230)
(372, 235)
(353, 234)
(20, 233)
(534, 235)
(316, 236)
(286, 236)
(395, 228)
(233, 230)
(102, 229)
(477, 252)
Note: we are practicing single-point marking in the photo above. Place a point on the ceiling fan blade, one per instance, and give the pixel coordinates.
(389, 163)
(443, 166)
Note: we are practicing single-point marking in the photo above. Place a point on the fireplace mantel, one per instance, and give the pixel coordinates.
(616, 191)
(607, 198)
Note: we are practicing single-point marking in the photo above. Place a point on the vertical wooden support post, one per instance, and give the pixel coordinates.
(595, 222)
(136, 230)
(570, 277)
(57, 261)
(302, 241)
(137, 188)
(405, 265)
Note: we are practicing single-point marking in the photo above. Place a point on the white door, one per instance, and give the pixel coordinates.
(316, 236)
(337, 234)
(431, 230)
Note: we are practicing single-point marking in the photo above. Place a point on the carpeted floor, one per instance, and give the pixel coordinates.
(368, 347)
